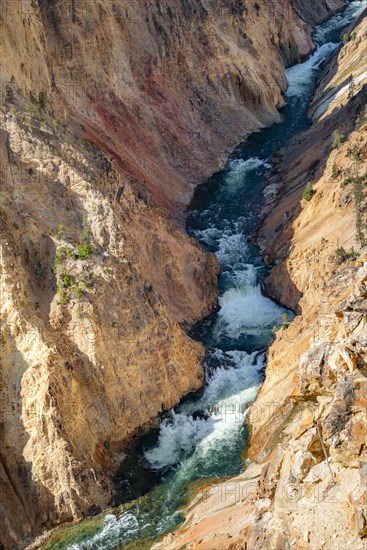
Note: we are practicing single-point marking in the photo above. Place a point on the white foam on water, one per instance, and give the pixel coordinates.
(239, 169)
(300, 76)
(225, 400)
(232, 250)
(246, 277)
(246, 310)
(341, 20)
(106, 538)
(225, 382)
(179, 434)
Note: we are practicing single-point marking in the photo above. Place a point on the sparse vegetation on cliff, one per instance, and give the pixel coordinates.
(342, 255)
(285, 321)
(308, 192)
(355, 154)
(83, 251)
(335, 171)
(337, 139)
(9, 93)
(63, 296)
(67, 280)
(78, 292)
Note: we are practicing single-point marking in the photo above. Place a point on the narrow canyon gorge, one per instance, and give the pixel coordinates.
(126, 288)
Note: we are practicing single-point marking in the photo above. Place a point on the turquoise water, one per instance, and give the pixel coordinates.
(204, 437)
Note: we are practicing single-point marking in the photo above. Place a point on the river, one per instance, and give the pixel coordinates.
(204, 437)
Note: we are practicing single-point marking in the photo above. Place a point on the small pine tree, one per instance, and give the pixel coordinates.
(335, 171)
(352, 87)
(308, 192)
(338, 139)
(10, 97)
(285, 320)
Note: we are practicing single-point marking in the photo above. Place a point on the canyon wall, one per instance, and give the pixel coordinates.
(167, 88)
(305, 482)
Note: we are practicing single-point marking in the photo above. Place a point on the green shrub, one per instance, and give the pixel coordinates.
(9, 93)
(345, 38)
(41, 100)
(335, 172)
(342, 255)
(308, 192)
(61, 254)
(63, 297)
(78, 292)
(30, 108)
(347, 181)
(355, 152)
(67, 280)
(338, 139)
(285, 320)
(61, 232)
(83, 251)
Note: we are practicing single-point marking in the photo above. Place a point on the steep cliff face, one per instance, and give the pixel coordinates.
(165, 87)
(91, 351)
(110, 113)
(305, 485)
(310, 237)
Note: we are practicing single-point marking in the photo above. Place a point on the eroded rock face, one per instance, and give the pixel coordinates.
(314, 13)
(304, 486)
(165, 87)
(91, 349)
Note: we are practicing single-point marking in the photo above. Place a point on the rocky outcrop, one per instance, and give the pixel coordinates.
(304, 486)
(307, 489)
(318, 11)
